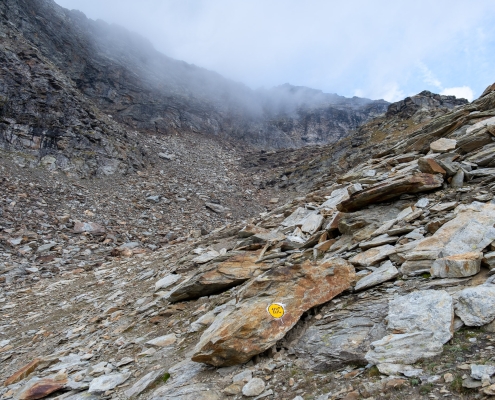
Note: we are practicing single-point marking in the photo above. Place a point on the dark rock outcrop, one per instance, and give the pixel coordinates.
(64, 76)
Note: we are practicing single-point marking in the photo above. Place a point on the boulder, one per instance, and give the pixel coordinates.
(391, 188)
(183, 384)
(144, 383)
(312, 223)
(219, 277)
(343, 336)
(430, 166)
(163, 341)
(378, 241)
(250, 230)
(420, 322)
(254, 387)
(458, 179)
(385, 273)
(478, 371)
(489, 260)
(247, 329)
(89, 227)
(471, 230)
(443, 145)
(167, 281)
(297, 217)
(475, 306)
(336, 198)
(457, 266)
(372, 256)
(217, 208)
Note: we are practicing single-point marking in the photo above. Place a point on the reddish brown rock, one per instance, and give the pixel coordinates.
(247, 329)
(250, 230)
(430, 166)
(219, 277)
(37, 388)
(23, 372)
(391, 188)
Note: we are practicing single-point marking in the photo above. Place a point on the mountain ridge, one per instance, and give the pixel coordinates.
(124, 76)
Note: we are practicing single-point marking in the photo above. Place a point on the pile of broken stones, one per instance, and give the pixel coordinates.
(378, 273)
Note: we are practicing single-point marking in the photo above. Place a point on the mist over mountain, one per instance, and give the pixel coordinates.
(124, 76)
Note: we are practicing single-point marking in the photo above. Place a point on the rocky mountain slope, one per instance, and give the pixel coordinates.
(385, 274)
(85, 92)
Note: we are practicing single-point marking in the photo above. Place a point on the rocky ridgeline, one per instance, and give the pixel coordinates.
(386, 274)
(84, 95)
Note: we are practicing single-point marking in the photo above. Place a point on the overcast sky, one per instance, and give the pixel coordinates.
(368, 48)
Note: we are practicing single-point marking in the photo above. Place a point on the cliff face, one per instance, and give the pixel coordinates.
(73, 72)
(45, 117)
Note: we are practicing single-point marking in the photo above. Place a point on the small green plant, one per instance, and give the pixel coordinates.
(426, 388)
(165, 377)
(426, 275)
(373, 371)
(456, 384)
(414, 381)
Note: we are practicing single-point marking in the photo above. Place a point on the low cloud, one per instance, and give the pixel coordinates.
(464, 92)
(332, 46)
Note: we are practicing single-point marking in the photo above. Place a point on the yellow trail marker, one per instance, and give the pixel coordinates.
(276, 310)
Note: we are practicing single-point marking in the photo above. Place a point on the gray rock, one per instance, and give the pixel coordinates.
(206, 257)
(336, 197)
(471, 230)
(343, 336)
(312, 223)
(202, 322)
(107, 382)
(372, 256)
(216, 208)
(425, 319)
(163, 341)
(457, 266)
(458, 179)
(182, 384)
(476, 305)
(386, 272)
(153, 199)
(254, 387)
(46, 247)
(489, 259)
(404, 348)
(478, 371)
(244, 376)
(443, 145)
(144, 383)
(167, 281)
(297, 217)
(166, 156)
(471, 383)
(396, 369)
(423, 310)
(90, 227)
(378, 241)
(422, 203)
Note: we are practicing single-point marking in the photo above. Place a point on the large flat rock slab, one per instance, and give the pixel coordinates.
(248, 329)
(219, 277)
(384, 273)
(390, 189)
(420, 323)
(342, 337)
(470, 231)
